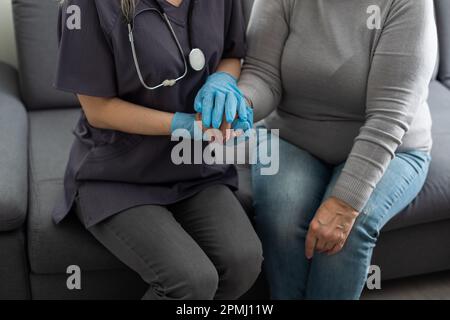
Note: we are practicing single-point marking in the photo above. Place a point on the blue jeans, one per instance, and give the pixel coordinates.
(286, 203)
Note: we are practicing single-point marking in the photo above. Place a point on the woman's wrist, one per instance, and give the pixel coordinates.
(345, 206)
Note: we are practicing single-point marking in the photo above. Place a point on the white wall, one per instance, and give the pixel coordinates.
(7, 42)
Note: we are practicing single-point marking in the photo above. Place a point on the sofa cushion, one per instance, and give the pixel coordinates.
(443, 23)
(13, 152)
(433, 202)
(36, 33)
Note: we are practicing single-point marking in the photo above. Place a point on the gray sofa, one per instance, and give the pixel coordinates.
(35, 138)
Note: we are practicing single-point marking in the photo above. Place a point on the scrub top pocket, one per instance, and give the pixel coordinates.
(103, 162)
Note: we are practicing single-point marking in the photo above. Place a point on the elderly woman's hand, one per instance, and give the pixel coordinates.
(330, 227)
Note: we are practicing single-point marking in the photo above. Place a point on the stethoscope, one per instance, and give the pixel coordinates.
(197, 58)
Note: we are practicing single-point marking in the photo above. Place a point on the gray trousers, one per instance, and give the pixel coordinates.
(200, 248)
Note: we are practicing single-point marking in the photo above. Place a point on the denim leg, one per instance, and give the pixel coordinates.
(285, 204)
(344, 275)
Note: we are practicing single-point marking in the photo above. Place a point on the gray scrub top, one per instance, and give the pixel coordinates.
(113, 171)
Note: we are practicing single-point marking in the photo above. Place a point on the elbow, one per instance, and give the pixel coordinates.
(95, 122)
(95, 110)
(94, 118)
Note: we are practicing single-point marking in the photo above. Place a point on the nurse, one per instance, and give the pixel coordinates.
(137, 67)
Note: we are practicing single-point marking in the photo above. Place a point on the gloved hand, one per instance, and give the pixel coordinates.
(220, 95)
(246, 125)
(185, 125)
(242, 129)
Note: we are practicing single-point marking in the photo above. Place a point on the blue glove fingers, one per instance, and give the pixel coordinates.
(238, 124)
(242, 109)
(231, 107)
(207, 109)
(219, 108)
(242, 125)
(250, 116)
(205, 100)
(198, 106)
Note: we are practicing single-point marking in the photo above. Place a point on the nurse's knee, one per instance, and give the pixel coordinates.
(240, 269)
(186, 281)
(200, 283)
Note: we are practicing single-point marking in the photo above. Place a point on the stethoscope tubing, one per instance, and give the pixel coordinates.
(168, 82)
(160, 10)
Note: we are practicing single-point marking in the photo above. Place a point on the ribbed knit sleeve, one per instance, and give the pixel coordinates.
(398, 82)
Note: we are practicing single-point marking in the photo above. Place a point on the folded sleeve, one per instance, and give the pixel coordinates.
(398, 82)
(235, 45)
(85, 57)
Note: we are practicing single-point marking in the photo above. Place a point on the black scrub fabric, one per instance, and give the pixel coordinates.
(113, 171)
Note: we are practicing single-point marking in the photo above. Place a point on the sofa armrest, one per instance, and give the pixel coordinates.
(13, 152)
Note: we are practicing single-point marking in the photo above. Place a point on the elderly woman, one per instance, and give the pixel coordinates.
(346, 82)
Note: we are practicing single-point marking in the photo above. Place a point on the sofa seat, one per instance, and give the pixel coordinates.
(69, 243)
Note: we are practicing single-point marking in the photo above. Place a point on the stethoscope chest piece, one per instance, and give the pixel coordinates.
(197, 59)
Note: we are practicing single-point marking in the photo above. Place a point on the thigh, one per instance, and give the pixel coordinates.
(399, 186)
(150, 241)
(215, 219)
(289, 198)
(285, 203)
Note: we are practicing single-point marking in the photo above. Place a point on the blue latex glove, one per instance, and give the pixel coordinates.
(244, 125)
(186, 126)
(220, 95)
